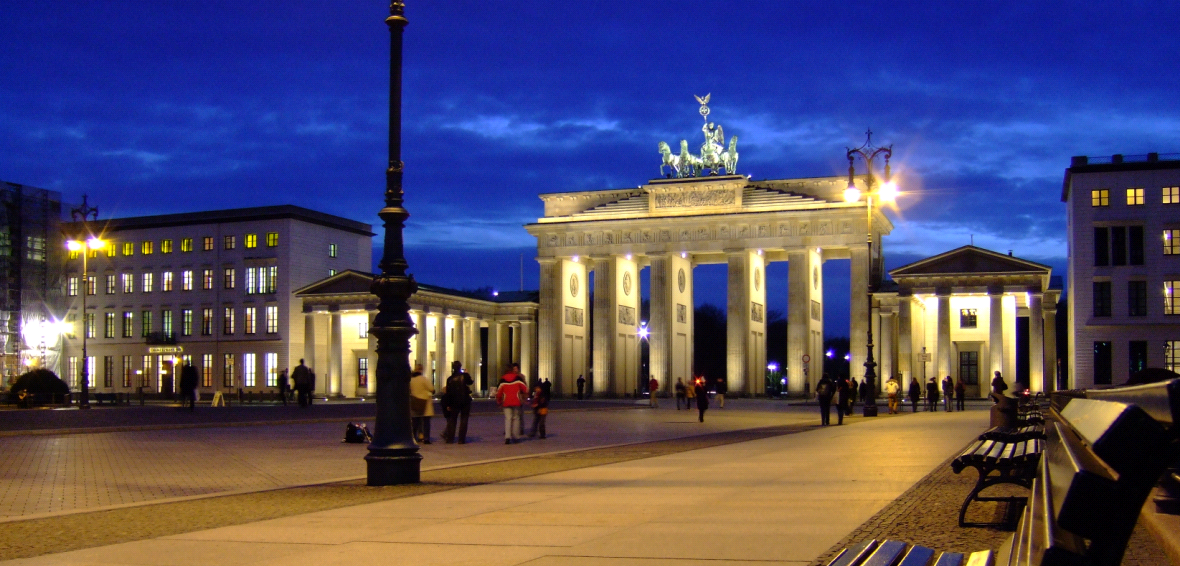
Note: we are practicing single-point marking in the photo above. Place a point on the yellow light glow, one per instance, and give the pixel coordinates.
(851, 194)
(74, 245)
(96, 243)
(888, 192)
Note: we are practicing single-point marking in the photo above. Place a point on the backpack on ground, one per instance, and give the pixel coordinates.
(357, 433)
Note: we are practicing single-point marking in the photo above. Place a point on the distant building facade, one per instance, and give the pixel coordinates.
(30, 288)
(486, 332)
(1124, 265)
(212, 288)
(957, 314)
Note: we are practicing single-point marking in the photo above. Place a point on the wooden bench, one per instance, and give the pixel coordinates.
(1014, 434)
(1102, 455)
(998, 462)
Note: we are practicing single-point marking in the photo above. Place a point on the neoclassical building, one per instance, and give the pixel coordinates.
(486, 333)
(671, 226)
(956, 314)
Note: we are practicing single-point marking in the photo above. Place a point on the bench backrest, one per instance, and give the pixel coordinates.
(1102, 457)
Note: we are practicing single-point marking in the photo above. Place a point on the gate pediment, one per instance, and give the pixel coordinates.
(711, 193)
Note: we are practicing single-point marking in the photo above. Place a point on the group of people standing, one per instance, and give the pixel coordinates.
(455, 402)
(953, 394)
(513, 394)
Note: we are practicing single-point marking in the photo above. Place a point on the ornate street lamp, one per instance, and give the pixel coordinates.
(84, 248)
(886, 192)
(393, 455)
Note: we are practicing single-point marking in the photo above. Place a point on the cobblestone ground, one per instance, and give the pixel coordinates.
(928, 514)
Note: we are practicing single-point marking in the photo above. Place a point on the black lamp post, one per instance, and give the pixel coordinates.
(393, 455)
(83, 213)
(887, 191)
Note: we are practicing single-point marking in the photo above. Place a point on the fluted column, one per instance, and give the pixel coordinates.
(603, 327)
(548, 323)
(1050, 325)
(995, 335)
(516, 348)
(886, 357)
(420, 346)
(309, 338)
(905, 340)
(737, 322)
(528, 354)
(944, 333)
(460, 350)
(1036, 343)
(660, 326)
(335, 355)
(440, 349)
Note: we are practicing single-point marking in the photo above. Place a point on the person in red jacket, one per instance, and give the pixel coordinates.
(510, 395)
(653, 389)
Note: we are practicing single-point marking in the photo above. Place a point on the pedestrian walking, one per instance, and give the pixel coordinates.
(823, 393)
(421, 406)
(680, 394)
(540, 404)
(702, 398)
(892, 392)
(581, 386)
(720, 387)
(843, 399)
(948, 393)
(852, 389)
(915, 393)
(188, 385)
(284, 386)
(510, 395)
(456, 402)
(653, 388)
(960, 395)
(863, 392)
(931, 395)
(690, 393)
(301, 376)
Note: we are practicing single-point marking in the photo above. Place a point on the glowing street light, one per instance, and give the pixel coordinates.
(83, 248)
(886, 192)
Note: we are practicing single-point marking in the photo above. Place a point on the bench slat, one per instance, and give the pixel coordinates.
(917, 556)
(886, 554)
(949, 559)
(981, 558)
(855, 554)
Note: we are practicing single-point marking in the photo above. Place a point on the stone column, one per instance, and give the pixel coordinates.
(528, 353)
(1036, 342)
(858, 313)
(885, 361)
(995, 315)
(944, 333)
(604, 328)
(309, 338)
(660, 326)
(460, 353)
(440, 350)
(335, 356)
(516, 350)
(803, 288)
(548, 324)
(420, 347)
(1049, 308)
(495, 361)
(737, 323)
(905, 341)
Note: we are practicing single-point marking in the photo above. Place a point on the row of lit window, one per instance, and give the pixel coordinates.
(1123, 245)
(187, 322)
(147, 247)
(1101, 197)
(259, 280)
(152, 371)
(1137, 298)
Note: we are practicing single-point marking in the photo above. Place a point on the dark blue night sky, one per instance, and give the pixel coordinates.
(159, 107)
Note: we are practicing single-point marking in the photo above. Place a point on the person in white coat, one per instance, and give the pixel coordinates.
(421, 406)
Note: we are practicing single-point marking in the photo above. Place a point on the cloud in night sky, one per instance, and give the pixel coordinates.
(160, 107)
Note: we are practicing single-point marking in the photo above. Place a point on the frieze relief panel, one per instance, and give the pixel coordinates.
(681, 313)
(574, 316)
(714, 197)
(845, 226)
(784, 229)
(817, 311)
(756, 312)
(804, 228)
(626, 315)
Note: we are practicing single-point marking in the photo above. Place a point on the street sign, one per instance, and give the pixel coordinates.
(806, 358)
